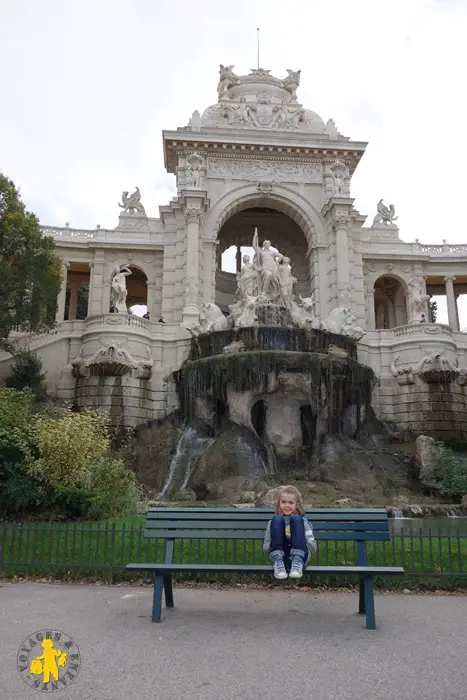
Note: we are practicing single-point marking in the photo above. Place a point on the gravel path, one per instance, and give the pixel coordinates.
(241, 644)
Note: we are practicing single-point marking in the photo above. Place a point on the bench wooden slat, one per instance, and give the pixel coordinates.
(259, 568)
(254, 524)
(248, 515)
(321, 511)
(258, 535)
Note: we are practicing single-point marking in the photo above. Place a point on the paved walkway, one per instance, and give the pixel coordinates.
(241, 644)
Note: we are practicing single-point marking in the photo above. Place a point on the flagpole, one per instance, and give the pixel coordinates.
(257, 35)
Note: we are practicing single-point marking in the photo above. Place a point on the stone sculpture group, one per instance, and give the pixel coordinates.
(268, 281)
(132, 203)
(385, 215)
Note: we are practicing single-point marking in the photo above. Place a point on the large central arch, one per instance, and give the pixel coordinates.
(282, 198)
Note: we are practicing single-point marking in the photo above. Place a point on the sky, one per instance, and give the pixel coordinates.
(88, 86)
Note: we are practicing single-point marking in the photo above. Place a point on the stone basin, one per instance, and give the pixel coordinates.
(264, 337)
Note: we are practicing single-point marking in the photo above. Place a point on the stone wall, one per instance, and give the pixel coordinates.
(439, 410)
(129, 401)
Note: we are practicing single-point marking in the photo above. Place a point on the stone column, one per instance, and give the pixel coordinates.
(451, 300)
(190, 312)
(208, 281)
(74, 286)
(91, 285)
(61, 299)
(371, 310)
(150, 298)
(342, 260)
(322, 281)
(238, 258)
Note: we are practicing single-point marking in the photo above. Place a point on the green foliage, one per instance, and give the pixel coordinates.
(445, 473)
(19, 492)
(81, 302)
(26, 372)
(29, 269)
(16, 435)
(114, 490)
(56, 463)
(68, 447)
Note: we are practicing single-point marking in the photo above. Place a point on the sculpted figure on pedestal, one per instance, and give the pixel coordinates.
(339, 173)
(267, 263)
(385, 215)
(247, 280)
(227, 78)
(287, 281)
(193, 173)
(291, 82)
(118, 290)
(417, 300)
(132, 203)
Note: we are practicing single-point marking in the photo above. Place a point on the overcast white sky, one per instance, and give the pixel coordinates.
(88, 86)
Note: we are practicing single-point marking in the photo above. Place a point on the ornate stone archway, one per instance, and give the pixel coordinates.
(281, 198)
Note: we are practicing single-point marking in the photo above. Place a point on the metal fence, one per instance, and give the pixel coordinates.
(437, 558)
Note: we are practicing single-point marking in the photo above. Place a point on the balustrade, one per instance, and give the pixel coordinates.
(429, 329)
(120, 320)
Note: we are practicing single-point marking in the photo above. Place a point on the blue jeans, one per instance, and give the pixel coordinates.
(297, 540)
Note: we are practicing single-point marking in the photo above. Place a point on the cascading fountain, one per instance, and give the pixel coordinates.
(273, 366)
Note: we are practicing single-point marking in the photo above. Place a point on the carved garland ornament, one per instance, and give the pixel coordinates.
(276, 170)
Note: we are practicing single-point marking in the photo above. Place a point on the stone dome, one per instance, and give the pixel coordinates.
(260, 101)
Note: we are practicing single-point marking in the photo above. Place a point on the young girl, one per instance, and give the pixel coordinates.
(289, 536)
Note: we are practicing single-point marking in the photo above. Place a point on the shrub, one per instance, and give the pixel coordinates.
(114, 490)
(445, 473)
(20, 493)
(26, 372)
(16, 435)
(68, 447)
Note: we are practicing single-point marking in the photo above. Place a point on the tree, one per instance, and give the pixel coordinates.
(26, 373)
(29, 268)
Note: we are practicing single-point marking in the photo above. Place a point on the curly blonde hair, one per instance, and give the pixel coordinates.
(292, 491)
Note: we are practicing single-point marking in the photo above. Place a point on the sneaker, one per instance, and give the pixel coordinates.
(296, 569)
(279, 569)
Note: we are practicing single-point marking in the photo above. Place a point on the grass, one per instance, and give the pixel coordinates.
(100, 551)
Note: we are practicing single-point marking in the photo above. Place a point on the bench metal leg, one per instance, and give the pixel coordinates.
(369, 603)
(157, 597)
(361, 598)
(168, 590)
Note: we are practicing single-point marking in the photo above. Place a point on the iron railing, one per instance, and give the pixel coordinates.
(433, 558)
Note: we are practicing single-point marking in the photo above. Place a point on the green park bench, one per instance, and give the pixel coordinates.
(226, 531)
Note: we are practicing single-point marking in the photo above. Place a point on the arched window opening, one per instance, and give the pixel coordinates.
(390, 303)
